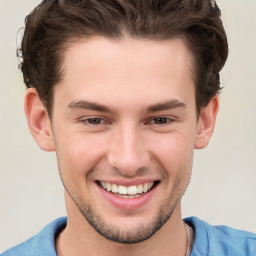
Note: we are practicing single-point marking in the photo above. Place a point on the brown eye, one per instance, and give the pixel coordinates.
(95, 120)
(161, 120)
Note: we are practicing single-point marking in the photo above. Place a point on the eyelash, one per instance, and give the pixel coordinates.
(87, 121)
(101, 121)
(166, 120)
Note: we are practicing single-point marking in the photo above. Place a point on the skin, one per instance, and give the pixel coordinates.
(125, 87)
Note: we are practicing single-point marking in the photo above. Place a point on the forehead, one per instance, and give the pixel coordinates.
(102, 69)
(99, 52)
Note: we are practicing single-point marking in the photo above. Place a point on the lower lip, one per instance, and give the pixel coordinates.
(127, 203)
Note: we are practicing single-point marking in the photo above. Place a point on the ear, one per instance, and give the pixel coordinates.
(38, 121)
(206, 123)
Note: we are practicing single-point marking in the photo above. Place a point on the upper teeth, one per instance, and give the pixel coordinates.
(123, 190)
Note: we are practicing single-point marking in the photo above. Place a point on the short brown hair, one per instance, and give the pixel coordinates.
(53, 24)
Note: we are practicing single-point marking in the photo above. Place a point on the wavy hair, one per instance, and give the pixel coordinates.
(54, 24)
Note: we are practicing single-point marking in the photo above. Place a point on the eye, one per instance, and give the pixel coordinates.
(161, 120)
(95, 120)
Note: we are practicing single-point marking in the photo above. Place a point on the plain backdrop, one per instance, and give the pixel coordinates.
(222, 189)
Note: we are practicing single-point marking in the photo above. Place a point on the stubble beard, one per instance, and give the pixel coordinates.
(141, 232)
(116, 234)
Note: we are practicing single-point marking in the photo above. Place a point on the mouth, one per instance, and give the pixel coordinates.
(133, 191)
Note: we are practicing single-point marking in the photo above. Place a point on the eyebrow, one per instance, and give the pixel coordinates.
(84, 104)
(172, 104)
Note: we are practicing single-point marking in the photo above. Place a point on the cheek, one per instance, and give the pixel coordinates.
(78, 154)
(174, 153)
(77, 157)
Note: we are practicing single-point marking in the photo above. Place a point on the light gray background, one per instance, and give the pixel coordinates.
(222, 190)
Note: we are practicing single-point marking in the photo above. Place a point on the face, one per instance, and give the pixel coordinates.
(124, 126)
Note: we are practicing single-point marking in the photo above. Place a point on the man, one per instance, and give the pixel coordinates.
(124, 91)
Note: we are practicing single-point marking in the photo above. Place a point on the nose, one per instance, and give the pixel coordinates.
(128, 151)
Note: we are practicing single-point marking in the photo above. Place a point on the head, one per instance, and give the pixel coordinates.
(54, 25)
(123, 92)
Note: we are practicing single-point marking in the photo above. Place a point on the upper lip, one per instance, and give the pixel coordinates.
(128, 183)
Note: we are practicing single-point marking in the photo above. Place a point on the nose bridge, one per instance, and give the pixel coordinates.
(129, 152)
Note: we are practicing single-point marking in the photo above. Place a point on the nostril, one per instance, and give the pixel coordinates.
(128, 156)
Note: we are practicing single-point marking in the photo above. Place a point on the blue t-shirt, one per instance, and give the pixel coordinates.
(209, 240)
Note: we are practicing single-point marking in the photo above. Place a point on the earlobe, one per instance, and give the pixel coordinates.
(206, 123)
(38, 120)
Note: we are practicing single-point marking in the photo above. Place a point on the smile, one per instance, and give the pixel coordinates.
(127, 192)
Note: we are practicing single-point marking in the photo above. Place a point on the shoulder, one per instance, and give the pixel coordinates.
(41, 244)
(221, 240)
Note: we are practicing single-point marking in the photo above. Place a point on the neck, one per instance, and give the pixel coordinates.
(79, 238)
